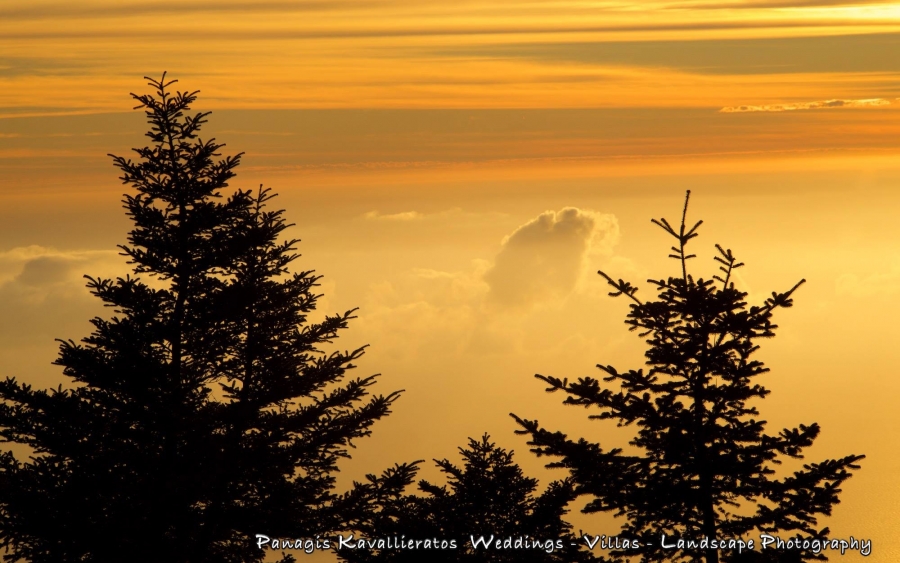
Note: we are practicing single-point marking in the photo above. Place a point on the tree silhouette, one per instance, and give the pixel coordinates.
(203, 412)
(706, 465)
(489, 496)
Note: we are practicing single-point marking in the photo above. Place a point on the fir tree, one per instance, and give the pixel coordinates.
(488, 497)
(706, 466)
(204, 411)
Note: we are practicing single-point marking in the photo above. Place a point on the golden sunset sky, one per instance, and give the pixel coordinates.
(460, 170)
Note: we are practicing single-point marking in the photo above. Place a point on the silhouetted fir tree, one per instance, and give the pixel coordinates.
(706, 464)
(203, 412)
(488, 496)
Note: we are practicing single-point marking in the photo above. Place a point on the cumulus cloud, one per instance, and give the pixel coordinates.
(44, 270)
(425, 311)
(39, 286)
(37, 266)
(825, 104)
(546, 257)
(42, 298)
(544, 275)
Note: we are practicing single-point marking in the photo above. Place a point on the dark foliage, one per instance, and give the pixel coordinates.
(706, 466)
(488, 496)
(204, 411)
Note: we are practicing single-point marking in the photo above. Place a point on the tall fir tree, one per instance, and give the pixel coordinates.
(706, 466)
(488, 499)
(204, 411)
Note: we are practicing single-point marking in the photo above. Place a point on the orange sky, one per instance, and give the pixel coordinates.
(411, 140)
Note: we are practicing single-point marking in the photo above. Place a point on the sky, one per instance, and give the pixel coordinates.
(460, 171)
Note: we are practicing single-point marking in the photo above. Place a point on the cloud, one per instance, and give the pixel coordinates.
(44, 270)
(744, 5)
(545, 258)
(404, 216)
(433, 31)
(544, 272)
(873, 285)
(42, 298)
(748, 56)
(37, 266)
(94, 10)
(424, 313)
(826, 104)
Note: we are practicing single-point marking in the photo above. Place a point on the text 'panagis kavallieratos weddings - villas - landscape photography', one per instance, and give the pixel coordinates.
(480, 281)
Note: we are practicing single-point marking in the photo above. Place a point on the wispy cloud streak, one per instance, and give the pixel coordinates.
(825, 104)
(770, 4)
